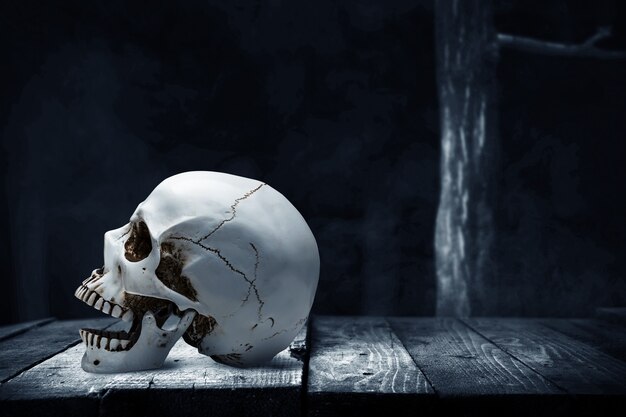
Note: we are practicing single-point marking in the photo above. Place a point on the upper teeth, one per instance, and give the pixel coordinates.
(117, 311)
(99, 303)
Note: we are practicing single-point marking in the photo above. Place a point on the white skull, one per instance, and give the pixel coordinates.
(225, 261)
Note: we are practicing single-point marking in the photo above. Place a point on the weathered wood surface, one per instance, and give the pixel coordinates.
(605, 336)
(574, 366)
(15, 329)
(188, 384)
(39, 343)
(460, 362)
(357, 364)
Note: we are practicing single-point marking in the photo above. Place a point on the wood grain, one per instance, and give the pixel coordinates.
(9, 331)
(189, 383)
(361, 354)
(459, 362)
(24, 350)
(605, 336)
(570, 364)
(357, 364)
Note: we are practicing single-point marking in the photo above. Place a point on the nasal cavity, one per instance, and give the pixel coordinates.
(139, 245)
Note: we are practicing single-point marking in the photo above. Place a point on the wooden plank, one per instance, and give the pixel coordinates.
(27, 349)
(358, 365)
(11, 330)
(615, 315)
(460, 363)
(570, 364)
(361, 354)
(474, 377)
(188, 384)
(603, 335)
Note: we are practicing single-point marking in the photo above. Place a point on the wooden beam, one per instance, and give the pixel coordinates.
(587, 48)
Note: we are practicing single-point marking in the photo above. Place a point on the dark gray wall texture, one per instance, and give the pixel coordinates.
(335, 105)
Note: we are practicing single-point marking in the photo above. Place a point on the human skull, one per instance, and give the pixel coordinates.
(226, 262)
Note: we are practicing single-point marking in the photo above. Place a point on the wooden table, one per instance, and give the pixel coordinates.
(344, 366)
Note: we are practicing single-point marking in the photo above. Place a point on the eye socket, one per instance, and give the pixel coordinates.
(139, 245)
(170, 270)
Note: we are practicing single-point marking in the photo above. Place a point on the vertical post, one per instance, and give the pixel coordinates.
(466, 56)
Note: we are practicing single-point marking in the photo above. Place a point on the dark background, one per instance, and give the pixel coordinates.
(334, 105)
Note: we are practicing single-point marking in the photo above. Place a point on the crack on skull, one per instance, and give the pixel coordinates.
(298, 324)
(228, 359)
(275, 334)
(169, 272)
(256, 263)
(126, 232)
(251, 285)
(233, 208)
(139, 244)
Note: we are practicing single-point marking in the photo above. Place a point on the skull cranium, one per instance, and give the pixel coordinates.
(226, 262)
